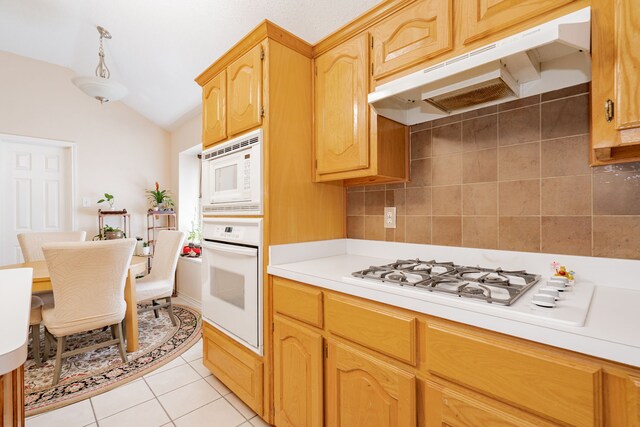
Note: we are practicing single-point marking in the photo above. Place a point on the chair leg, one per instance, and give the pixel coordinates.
(47, 345)
(155, 312)
(172, 316)
(35, 344)
(117, 328)
(58, 367)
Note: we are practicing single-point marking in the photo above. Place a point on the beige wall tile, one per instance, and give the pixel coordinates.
(355, 203)
(568, 91)
(616, 193)
(399, 201)
(421, 144)
(399, 234)
(480, 133)
(355, 227)
(390, 234)
(378, 187)
(480, 232)
(565, 156)
(418, 201)
(517, 198)
(420, 173)
(480, 166)
(519, 103)
(447, 170)
(480, 112)
(447, 230)
(374, 227)
(519, 126)
(374, 202)
(480, 199)
(355, 189)
(566, 195)
(616, 236)
(446, 200)
(446, 120)
(519, 162)
(420, 127)
(519, 233)
(446, 139)
(569, 235)
(565, 117)
(418, 229)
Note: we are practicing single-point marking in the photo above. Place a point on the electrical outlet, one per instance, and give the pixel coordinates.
(86, 202)
(389, 217)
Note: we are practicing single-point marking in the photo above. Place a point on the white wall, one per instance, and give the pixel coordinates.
(119, 151)
(183, 138)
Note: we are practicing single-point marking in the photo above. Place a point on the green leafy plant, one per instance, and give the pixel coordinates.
(145, 245)
(159, 197)
(107, 198)
(102, 235)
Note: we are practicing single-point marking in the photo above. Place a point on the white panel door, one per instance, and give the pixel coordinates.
(36, 183)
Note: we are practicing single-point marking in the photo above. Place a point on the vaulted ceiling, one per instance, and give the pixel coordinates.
(158, 46)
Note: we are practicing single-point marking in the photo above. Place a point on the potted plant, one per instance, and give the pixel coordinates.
(160, 199)
(146, 249)
(194, 238)
(109, 199)
(109, 233)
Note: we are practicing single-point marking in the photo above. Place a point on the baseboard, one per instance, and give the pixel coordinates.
(192, 302)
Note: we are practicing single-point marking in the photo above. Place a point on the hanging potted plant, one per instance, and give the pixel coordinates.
(160, 199)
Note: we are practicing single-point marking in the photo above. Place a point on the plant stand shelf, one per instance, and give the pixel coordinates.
(125, 220)
(156, 222)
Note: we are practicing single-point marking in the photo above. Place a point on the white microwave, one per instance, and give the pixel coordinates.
(232, 176)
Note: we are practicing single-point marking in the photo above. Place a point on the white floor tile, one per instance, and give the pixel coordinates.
(200, 368)
(240, 406)
(194, 352)
(148, 414)
(218, 385)
(91, 425)
(258, 422)
(172, 379)
(188, 398)
(219, 413)
(77, 415)
(173, 364)
(121, 398)
(245, 424)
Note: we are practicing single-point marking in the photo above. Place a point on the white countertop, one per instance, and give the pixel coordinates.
(611, 330)
(15, 308)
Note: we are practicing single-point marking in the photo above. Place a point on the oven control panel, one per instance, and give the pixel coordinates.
(227, 232)
(247, 231)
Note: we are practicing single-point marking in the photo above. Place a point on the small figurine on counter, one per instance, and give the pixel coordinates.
(561, 271)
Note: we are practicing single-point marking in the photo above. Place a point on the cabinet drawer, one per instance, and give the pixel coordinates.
(541, 381)
(238, 368)
(387, 331)
(298, 301)
(463, 408)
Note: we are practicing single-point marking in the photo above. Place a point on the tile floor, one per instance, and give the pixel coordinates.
(182, 393)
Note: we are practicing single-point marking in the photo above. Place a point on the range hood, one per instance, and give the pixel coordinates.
(551, 56)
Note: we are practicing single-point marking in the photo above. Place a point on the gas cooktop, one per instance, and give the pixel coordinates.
(499, 290)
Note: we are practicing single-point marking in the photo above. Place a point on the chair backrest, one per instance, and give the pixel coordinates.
(31, 243)
(88, 278)
(166, 252)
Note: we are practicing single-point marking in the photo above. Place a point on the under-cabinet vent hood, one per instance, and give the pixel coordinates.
(551, 56)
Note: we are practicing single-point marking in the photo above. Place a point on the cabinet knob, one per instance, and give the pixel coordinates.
(608, 110)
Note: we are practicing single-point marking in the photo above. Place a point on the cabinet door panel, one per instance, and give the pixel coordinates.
(214, 123)
(627, 64)
(341, 109)
(244, 91)
(297, 375)
(421, 31)
(481, 18)
(363, 391)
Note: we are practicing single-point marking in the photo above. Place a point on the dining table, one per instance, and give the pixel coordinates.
(42, 283)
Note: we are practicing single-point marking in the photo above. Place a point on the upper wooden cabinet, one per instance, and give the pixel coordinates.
(412, 35)
(363, 391)
(481, 18)
(341, 109)
(615, 107)
(297, 371)
(214, 123)
(244, 89)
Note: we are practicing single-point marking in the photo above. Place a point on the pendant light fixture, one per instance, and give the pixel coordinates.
(99, 86)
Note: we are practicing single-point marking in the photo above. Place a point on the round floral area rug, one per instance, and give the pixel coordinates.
(88, 374)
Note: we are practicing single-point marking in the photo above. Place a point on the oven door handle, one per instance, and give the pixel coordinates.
(231, 249)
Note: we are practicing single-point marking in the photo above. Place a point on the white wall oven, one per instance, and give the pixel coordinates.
(232, 278)
(232, 176)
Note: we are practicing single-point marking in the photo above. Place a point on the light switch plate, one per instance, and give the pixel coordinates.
(390, 217)
(86, 202)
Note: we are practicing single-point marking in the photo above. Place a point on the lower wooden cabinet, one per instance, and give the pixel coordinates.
(236, 366)
(298, 386)
(363, 391)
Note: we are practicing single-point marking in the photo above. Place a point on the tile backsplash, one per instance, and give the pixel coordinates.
(514, 176)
